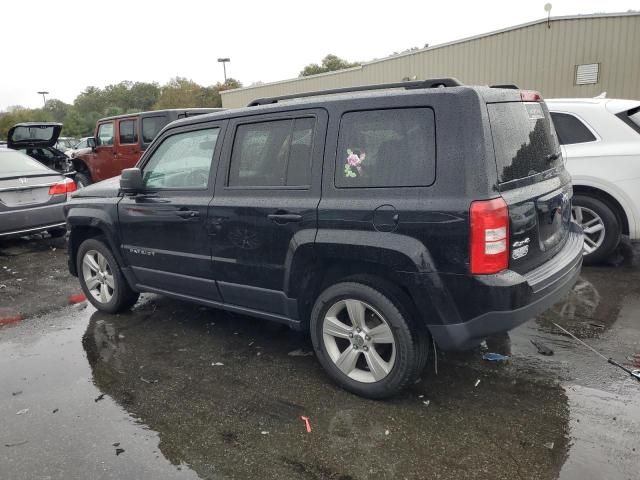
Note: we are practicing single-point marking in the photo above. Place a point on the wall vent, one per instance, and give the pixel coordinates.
(587, 73)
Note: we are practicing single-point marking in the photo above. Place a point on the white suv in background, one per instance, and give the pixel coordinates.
(600, 141)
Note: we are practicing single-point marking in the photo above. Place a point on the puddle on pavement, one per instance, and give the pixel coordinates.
(211, 417)
(194, 389)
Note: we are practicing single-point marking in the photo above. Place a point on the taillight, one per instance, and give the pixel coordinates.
(65, 186)
(530, 96)
(489, 249)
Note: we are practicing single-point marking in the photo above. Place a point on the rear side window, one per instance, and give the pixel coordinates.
(386, 148)
(524, 140)
(631, 118)
(570, 129)
(272, 154)
(128, 131)
(105, 134)
(151, 126)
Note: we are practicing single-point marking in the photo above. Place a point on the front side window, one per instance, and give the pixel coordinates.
(386, 148)
(570, 129)
(128, 132)
(105, 134)
(182, 161)
(272, 154)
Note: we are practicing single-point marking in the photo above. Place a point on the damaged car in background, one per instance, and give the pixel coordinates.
(32, 196)
(37, 139)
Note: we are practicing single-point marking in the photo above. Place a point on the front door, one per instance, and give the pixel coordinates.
(265, 204)
(163, 232)
(128, 150)
(104, 156)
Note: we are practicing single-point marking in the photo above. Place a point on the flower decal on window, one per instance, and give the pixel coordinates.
(353, 167)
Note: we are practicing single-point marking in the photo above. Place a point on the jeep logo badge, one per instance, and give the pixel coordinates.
(23, 180)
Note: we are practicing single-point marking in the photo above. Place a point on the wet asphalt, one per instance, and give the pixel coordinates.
(174, 390)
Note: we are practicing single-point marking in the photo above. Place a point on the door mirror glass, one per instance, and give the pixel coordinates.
(131, 181)
(91, 143)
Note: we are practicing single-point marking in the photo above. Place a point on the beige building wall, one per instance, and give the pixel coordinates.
(531, 56)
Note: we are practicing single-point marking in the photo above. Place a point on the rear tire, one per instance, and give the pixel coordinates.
(82, 180)
(101, 279)
(380, 359)
(601, 227)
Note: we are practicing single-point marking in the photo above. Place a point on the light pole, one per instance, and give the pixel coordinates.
(224, 61)
(44, 99)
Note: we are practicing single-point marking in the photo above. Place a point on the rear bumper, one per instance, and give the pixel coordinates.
(510, 299)
(17, 223)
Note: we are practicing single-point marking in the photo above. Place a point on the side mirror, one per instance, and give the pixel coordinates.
(131, 181)
(91, 143)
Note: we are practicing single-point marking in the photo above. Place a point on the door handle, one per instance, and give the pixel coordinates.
(188, 213)
(284, 217)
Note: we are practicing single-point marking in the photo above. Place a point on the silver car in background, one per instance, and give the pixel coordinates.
(32, 196)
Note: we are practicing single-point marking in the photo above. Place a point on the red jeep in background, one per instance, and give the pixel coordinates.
(119, 141)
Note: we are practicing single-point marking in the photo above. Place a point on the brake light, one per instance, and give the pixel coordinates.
(530, 96)
(66, 186)
(489, 248)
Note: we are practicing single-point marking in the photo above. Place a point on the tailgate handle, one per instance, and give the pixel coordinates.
(284, 217)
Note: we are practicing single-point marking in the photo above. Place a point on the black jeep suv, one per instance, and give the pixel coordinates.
(379, 218)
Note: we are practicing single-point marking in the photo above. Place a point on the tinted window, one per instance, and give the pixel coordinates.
(182, 161)
(571, 130)
(128, 131)
(386, 148)
(631, 118)
(17, 163)
(151, 126)
(523, 139)
(634, 116)
(105, 134)
(272, 154)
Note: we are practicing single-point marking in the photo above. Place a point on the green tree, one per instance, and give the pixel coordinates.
(57, 108)
(330, 63)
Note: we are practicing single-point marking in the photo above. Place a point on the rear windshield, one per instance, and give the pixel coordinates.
(37, 133)
(524, 140)
(16, 163)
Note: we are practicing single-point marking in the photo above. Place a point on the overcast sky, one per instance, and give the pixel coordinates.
(64, 46)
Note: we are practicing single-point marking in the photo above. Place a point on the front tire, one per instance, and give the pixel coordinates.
(101, 279)
(82, 180)
(365, 340)
(600, 225)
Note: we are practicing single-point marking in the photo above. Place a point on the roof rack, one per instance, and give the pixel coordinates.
(431, 83)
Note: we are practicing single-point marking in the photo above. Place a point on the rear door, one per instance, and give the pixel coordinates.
(265, 204)
(532, 180)
(128, 150)
(163, 228)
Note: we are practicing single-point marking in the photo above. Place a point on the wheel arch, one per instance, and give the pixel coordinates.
(90, 224)
(610, 200)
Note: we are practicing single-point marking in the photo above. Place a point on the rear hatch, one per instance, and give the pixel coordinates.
(25, 183)
(532, 180)
(33, 134)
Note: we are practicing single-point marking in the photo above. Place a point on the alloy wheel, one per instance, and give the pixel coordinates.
(359, 341)
(592, 226)
(98, 276)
